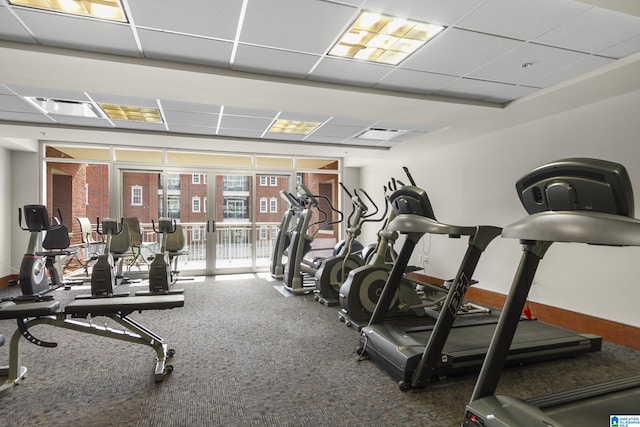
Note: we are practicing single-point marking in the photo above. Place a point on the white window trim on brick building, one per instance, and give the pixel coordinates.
(136, 195)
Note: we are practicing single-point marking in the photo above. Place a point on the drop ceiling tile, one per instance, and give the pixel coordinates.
(521, 19)
(182, 48)
(11, 29)
(457, 52)
(58, 30)
(589, 63)
(484, 90)
(249, 112)
(15, 103)
(196, 130)
(207, 18)
(620, 50)
(241, 133)
(349, 121)
(246, 123)
(543, 59)
(431, 11)
(414, 81)
(593, 31)
(302, 25)
(72, 95)
(188, 106)
(270, 61)
(190, 118)
(337, 131)
(348, 71)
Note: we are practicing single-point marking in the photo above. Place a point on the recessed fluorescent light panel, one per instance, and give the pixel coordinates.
(65, 107)
(379, 134)
(132, 114)
(293, 127)
(381, 38)
(102, 9)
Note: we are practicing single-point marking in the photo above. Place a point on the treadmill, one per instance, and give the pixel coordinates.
(573, 200)
(417, 356)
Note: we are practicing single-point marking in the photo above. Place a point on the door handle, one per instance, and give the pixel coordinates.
(213, 226)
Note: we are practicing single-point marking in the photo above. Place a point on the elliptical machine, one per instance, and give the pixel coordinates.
(32, 277)
(361, 290)
(298, 267)
(333, 270)
(161, 275)
(283, 238)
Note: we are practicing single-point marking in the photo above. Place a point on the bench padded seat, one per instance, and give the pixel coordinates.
(102, 306)
(11, 310)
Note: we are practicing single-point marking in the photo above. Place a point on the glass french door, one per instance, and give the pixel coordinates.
(230, 220)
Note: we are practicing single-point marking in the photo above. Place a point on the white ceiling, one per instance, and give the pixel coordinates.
(222, 71)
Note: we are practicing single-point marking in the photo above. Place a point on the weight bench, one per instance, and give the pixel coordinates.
(31, 312)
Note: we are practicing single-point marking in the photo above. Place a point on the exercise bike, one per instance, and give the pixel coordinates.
(32, 277)
(161, 275)
(104, 277)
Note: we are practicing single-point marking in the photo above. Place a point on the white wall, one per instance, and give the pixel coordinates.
(25, 175)
(5, 213)
(473, 183)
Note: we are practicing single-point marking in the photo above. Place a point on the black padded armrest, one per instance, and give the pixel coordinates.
(11, 310)
(115, 305)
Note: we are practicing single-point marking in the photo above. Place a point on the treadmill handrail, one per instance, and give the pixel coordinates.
(596, 228)
(412, 223)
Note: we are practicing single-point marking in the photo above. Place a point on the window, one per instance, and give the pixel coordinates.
(204, 204)
(195, 235)
(173, 181)
(235, 183)
(204, 178)
(195, 178)
(263, 180)
(273, 205)
(173, 205)
(136, 195)
(263, 233)
(86, 194)
(263, 205)
(235, 208)
(273, 181)
(195, 204)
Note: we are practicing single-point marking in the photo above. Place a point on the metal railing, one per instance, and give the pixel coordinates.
(234, 242)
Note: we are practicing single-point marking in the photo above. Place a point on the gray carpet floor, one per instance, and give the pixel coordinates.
(248, 356)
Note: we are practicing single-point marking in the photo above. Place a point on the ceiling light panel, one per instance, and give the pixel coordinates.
(382, 38)
(293, 127)
(133, 114)
(110, 10)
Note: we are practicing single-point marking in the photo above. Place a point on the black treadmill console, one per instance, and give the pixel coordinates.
(577, 184)
(411, 200)
(36, 217)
